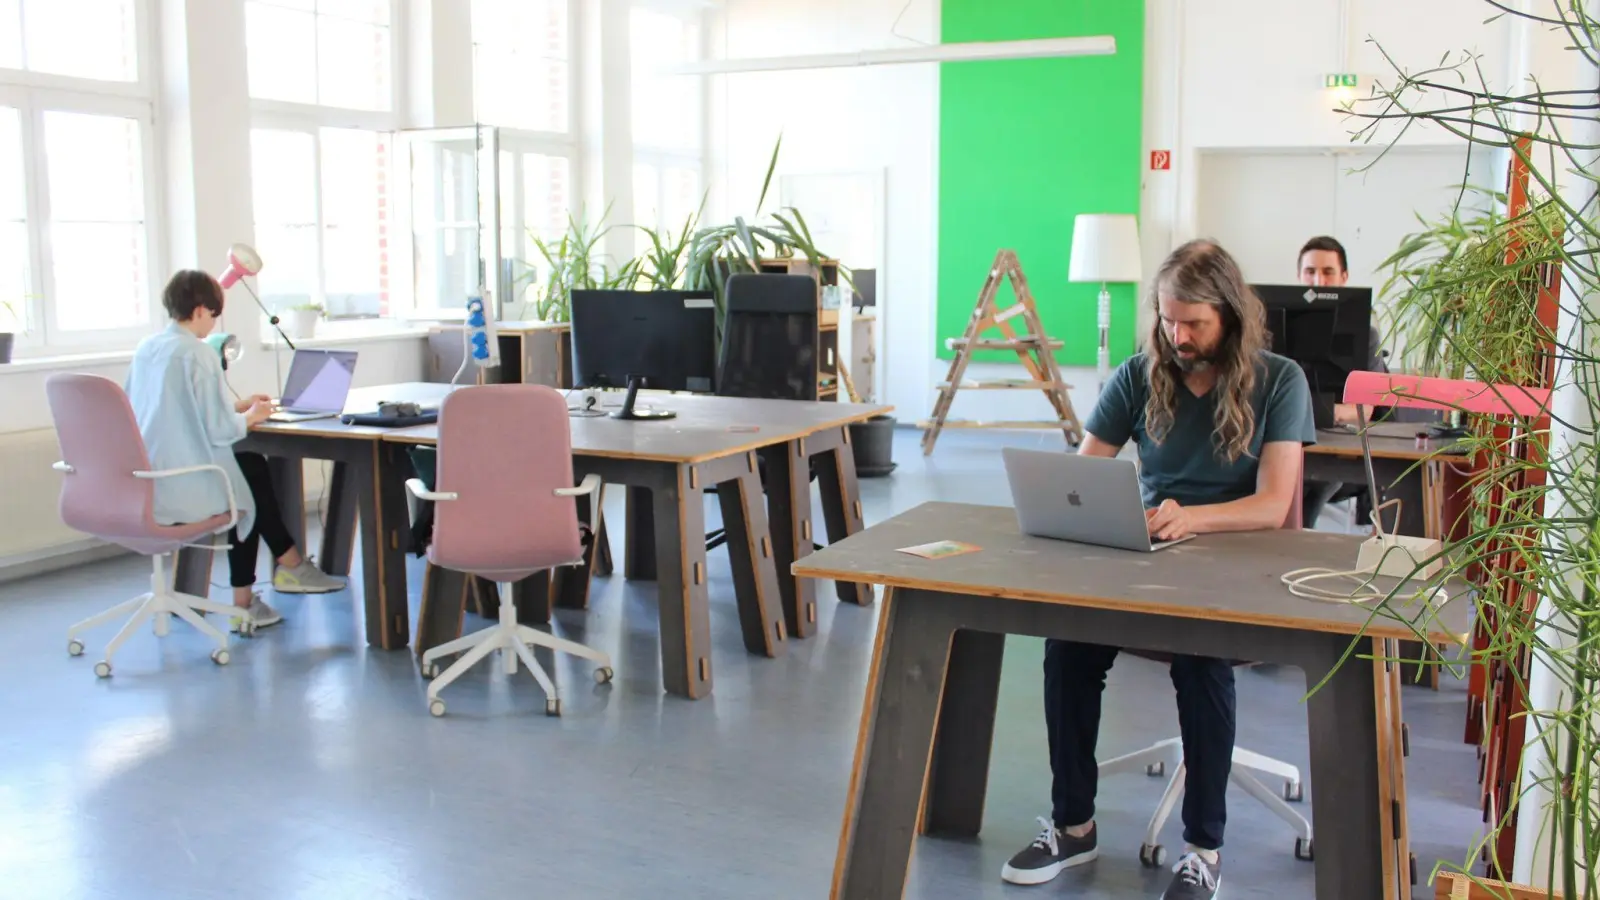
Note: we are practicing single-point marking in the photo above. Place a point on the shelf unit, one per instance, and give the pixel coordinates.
(826, 275)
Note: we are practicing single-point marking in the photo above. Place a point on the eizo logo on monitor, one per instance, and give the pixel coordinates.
(1311, 296)
(1074, 500)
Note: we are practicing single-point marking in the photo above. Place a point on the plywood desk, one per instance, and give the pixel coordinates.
(714, 440)
(922, 759)
(1398, 464)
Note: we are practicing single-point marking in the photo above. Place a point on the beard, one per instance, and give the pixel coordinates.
(1199, 362)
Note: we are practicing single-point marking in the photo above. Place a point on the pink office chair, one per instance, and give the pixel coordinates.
(1153, 761)
(505, 510)
(107, 492)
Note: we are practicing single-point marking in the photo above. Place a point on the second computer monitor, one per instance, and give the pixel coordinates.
(665, 340)
(1327, 330)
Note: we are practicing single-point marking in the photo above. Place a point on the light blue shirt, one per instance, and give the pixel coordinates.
(176, 388)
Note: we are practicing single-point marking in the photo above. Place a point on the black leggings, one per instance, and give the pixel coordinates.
(269, 523)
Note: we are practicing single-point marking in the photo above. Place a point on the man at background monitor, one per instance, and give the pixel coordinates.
(1323, 263)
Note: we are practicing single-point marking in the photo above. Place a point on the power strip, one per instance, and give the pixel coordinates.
(1400, 556)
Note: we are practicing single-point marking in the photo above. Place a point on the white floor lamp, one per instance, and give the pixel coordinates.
(1105, 249)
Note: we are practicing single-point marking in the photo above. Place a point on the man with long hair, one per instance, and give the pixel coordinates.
(1220, 425)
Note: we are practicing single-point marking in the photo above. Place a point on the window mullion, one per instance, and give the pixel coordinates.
(321, 294)
(36, 168)
(22, 32)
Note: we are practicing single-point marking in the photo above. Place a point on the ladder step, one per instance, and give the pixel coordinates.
(968, 423)
(1006, 384)
(1021, 343)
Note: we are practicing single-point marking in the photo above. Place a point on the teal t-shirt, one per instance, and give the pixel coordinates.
(1187, 465)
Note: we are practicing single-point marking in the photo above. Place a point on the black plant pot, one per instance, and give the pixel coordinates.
(5, 346)
(872, 444)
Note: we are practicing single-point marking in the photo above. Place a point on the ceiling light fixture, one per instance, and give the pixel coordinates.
(976, 51)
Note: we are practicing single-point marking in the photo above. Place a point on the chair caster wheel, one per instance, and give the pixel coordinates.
(74, 647)
(102, 669)
(219, 656)
(1294, 791)
(436, 707)
(246, 629)
(430, 670)
(1152, 857)
(1303, 849)
(1156, 770)
(552, 707)
(603, 675)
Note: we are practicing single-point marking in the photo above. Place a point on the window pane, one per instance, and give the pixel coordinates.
(14, 265)
(680, 197)
(666, 108)
(646, 196)
(278, 45)
(96, 168)
(284, 188)
(355, 204)
(520, 63)
(372, 12)
(100, 279)
(13, 205)
(81, 38)
(353, 64)
(547, 194)
(444, 224)
(10, 34)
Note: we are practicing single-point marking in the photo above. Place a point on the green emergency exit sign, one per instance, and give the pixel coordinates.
(1340, 79)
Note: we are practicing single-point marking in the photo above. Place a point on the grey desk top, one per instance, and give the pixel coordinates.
(1389, 440)
(1231, 577)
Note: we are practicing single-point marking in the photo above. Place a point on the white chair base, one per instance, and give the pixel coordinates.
(514, 642)
(157, 606)
(1156, 759)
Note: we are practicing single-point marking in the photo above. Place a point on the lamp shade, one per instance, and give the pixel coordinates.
(227, 346)
(242, 260)
(1105, 248)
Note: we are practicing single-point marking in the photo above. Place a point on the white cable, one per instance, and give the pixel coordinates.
(1298, 581)
(466, 352)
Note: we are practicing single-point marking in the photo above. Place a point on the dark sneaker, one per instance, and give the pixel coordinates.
(1194, 879)
(1050, 852)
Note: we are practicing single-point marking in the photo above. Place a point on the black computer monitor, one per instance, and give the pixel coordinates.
(1327, 330)
(865, 282)
(652, 339)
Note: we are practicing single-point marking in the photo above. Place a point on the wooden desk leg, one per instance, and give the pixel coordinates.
(1344, 713)
(958, 776)
(789, 518)
(569, 586)
(444, 602)
(841, 498)
(897, 726)
(191, 571)
(339, 531)
(755, 581)
(680, 539)
(639, 552)
(383, 544)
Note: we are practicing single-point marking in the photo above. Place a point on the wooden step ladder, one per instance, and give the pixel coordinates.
(1032, 346)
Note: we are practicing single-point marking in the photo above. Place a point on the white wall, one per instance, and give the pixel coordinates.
(1219, 75)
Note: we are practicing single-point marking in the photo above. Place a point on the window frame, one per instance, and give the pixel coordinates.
(574, 93)
(340, 116)
(34, 94)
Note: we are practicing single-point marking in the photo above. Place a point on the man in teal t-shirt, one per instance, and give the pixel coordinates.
(1220, 425)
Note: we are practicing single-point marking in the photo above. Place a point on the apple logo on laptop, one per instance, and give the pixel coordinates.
(1074, 500)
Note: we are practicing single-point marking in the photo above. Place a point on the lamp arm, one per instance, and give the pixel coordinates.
(271, 317)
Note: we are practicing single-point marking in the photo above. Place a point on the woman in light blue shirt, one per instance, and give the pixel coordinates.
(176, 386)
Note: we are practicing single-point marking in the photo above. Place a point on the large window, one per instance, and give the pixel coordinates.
(335, 53)
(521, 64)
(668, 119)
(323, 219)
(76, 175)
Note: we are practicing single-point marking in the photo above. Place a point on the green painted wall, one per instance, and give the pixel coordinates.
(1024, 145)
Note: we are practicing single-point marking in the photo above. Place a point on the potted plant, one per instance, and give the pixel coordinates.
(1480, 298)
(301, 323)
(572, 262)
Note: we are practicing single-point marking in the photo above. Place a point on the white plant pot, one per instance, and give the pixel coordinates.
(301, 324)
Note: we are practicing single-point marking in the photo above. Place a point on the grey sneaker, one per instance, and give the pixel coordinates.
(305, 578)
(1194, 879)
(1051, 852)
(261, 615)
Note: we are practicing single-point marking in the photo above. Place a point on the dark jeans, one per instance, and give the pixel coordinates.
(1316, 495)
(269, 525)
(1075, 678)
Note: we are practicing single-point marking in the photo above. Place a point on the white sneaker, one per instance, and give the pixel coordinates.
(305, 578)
(261, 615)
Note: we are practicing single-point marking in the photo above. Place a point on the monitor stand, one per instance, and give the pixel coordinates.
(646, 415)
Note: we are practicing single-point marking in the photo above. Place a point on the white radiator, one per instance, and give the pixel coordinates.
(29, 491)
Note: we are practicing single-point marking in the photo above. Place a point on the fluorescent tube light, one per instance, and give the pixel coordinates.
(1097, 45)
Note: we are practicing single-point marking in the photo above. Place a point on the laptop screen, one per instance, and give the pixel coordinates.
(319, 380)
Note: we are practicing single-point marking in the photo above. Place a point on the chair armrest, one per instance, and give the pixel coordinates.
(61, 466)
(421, 492)
(591, 485)
(227, 484)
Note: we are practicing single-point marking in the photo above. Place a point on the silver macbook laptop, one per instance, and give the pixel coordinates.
(1085, 499)
(318, 385)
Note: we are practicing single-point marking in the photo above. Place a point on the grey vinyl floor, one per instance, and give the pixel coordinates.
(308, 768)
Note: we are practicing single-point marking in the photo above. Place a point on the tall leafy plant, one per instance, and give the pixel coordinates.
(571, 262)
(1532, 548)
